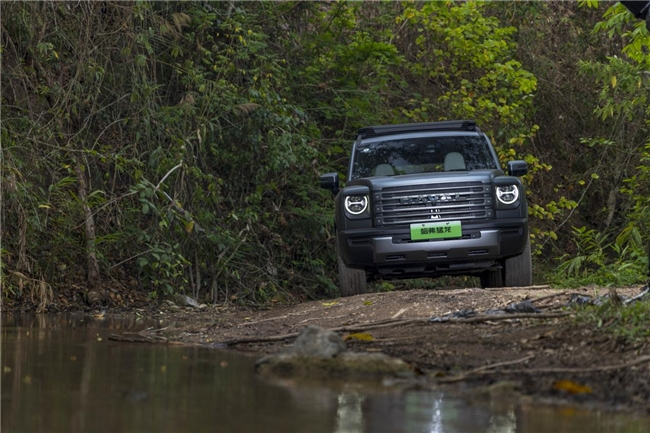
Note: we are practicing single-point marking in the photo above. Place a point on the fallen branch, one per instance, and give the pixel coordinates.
(395, 322)
(148, 335)
(483, 369)
(263, 320)
(318, 318)
(640, 360)
(270, 339)
(347, 328)
(544, 286)
(388, 340)
(377, 325)
(505, 316)
(544, 298)
(138, 338)
(399, 313)
(286, 316)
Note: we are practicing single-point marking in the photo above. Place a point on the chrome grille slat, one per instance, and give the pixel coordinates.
(388, 209)
(433, 202)
(431, 216)
(423, 220)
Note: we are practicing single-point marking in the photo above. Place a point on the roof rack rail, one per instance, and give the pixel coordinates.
(449, 125)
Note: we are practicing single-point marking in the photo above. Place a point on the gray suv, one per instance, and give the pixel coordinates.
(427, 200)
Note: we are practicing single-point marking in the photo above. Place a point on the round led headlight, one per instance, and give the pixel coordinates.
(507, 194)
(356, 204)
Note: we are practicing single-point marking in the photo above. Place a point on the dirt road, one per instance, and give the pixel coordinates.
(546, 356)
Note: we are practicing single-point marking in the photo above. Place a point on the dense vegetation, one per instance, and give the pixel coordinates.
(179, 143)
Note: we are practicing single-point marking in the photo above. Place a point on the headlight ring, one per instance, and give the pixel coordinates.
(356, 204)
(507, 194)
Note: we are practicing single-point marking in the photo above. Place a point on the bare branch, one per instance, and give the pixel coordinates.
(168, 173)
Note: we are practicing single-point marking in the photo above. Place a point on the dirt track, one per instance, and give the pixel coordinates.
(549, 358)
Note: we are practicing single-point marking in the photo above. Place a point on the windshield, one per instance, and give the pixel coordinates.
(422, 155)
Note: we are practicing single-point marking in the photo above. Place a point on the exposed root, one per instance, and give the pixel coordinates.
(40, 292)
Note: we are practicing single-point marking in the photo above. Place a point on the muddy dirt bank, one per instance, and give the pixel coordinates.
(548, 357)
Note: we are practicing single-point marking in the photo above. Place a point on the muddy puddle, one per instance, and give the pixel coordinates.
(62, 374)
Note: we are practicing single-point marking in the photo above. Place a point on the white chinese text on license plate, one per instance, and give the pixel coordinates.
(437, 230)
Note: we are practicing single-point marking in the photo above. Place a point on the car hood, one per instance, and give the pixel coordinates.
(381, 182)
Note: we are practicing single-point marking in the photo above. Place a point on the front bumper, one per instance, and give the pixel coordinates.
(481, 246)
(385, 250)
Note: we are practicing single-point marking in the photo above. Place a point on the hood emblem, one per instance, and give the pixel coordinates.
(428, 198)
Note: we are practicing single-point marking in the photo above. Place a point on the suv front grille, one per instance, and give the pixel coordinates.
(433, 202)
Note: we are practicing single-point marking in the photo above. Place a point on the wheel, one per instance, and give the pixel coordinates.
(518, 270)
(351, 281)
(492, 278)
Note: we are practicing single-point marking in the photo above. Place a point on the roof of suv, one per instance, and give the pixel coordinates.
(450, 125)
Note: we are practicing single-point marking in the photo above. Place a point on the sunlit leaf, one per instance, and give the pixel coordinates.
(572, 387)
(361, 336)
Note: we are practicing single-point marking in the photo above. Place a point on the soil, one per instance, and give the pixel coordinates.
(549, 358)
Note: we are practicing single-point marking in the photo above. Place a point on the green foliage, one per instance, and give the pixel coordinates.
(470, 57)
(183, 146)
(596, 260)
(384, 286)
(628, 324)
(162, 268)
(618, 255)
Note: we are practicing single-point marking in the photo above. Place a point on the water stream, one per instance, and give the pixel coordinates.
(62, 374)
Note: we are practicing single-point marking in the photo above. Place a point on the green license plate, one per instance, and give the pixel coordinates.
(441, 230)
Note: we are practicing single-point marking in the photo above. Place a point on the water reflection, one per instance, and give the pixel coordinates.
(79, 320)
(62, 374)
(416, 411)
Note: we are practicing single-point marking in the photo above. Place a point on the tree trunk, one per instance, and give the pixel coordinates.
(89, 224)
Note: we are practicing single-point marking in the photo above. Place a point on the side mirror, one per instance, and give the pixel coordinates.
(330, 181)
(517, 168)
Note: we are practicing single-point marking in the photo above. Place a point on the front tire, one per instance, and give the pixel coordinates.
(518, 270)
(492, 278)
(351, 281)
